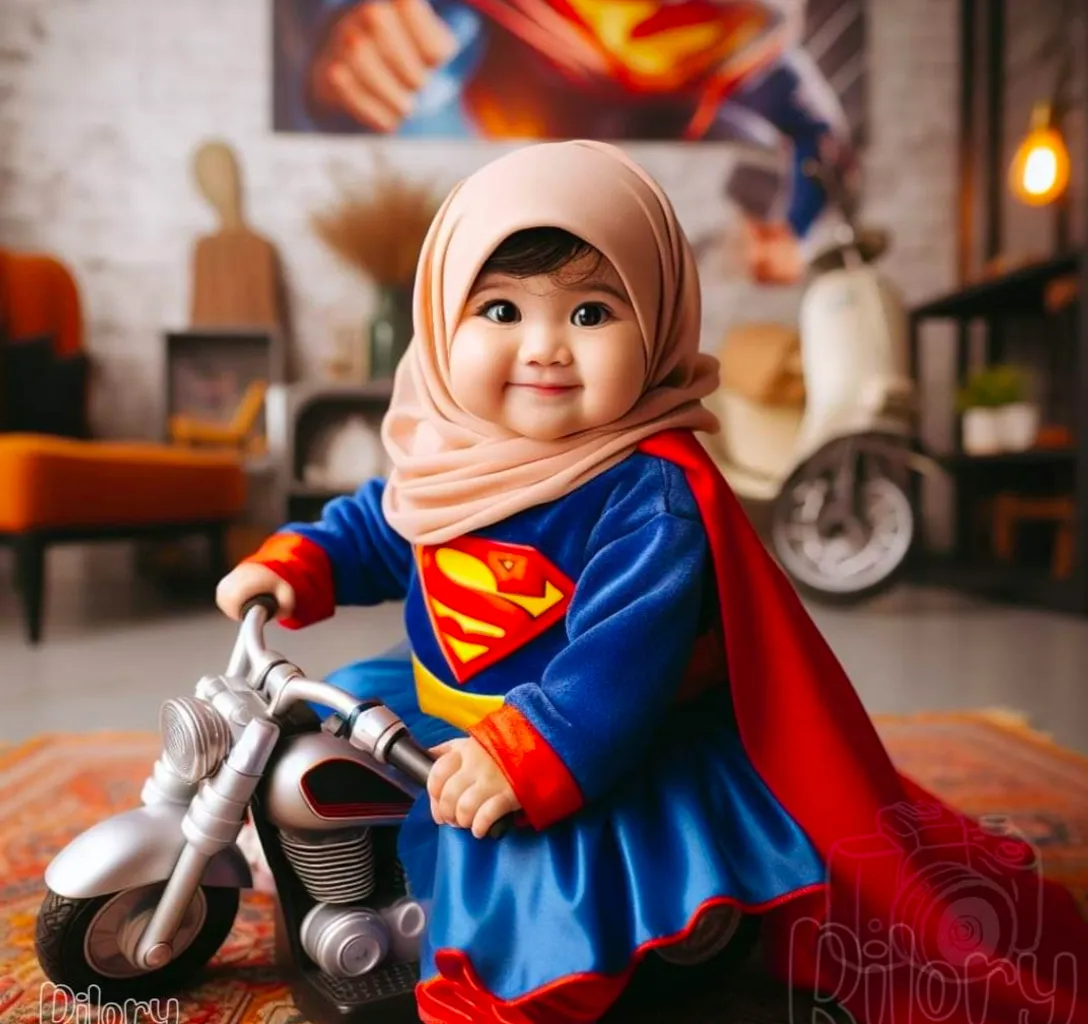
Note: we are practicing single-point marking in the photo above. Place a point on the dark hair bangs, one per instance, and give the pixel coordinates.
(533, 252)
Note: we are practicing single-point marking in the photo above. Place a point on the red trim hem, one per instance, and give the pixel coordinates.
(595, 992)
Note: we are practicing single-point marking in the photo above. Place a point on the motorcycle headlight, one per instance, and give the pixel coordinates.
(195, 737)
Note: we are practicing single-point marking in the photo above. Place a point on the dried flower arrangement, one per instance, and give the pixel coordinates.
(378, 225)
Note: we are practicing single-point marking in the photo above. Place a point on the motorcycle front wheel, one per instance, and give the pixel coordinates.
(81, 943)
(855, 556)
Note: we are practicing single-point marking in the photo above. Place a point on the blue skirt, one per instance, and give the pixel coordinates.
(694, 823)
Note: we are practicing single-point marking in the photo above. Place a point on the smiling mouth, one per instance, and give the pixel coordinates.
(547, 389)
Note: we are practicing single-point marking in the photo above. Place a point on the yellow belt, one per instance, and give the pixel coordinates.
(459, 708)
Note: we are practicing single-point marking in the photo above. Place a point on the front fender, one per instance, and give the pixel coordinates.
(909, 451)
(921, 461)
(135, 848)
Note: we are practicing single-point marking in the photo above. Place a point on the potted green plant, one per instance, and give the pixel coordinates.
(997, 414)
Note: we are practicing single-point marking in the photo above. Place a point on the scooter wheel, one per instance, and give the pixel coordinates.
(72, 942)
(830, 570)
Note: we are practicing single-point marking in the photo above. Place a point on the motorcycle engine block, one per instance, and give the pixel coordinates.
(343, 934)
(335, 867)
(346, 942)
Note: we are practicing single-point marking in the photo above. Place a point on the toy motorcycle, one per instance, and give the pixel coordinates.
(139, 903)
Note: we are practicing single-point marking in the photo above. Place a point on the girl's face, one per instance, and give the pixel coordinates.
(550, 355)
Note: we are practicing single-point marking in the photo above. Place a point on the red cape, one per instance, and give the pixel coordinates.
(926, 916)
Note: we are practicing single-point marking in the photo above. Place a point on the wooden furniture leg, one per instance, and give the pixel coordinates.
(1010, 510)
(31, 546)
(217, 551)
(1062, 564)
(30, 572)
(1004, 525)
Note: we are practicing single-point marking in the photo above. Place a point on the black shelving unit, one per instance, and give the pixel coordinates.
(992, 307)
(1034, 457)
(1017, 293)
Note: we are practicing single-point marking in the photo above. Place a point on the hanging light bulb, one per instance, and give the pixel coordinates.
(1040, 168)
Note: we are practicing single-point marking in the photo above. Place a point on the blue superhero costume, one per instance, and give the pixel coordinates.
(679, 735)
(574, 641)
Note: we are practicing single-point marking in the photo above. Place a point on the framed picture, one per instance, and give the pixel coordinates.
(771, 84)
(692, 70)
(212, 376)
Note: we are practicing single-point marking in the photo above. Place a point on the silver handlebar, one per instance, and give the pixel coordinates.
(290, 686)
(375, 728)
(250, 640)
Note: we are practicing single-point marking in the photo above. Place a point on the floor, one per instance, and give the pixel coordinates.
(115, 648)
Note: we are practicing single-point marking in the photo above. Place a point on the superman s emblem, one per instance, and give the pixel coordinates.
(486, 599)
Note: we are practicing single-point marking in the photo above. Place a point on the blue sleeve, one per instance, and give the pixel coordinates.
(632, 624)
(371, 562)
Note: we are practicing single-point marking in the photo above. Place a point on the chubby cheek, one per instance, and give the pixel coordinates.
(614, 381)
(479, 370)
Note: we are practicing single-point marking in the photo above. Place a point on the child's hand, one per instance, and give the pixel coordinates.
(467, 789)
(248, 580)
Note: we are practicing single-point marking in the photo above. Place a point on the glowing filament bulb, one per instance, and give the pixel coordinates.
(1040, 169)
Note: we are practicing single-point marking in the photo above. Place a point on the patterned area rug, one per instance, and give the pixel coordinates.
(53, 787)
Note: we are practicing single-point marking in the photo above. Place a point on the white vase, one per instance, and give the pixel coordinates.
(982, 433)
(1019, 425)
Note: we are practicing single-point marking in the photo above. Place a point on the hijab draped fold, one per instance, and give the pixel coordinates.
(453, 472)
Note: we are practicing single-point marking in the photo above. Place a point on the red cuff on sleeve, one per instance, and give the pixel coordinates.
(542, 783)
(304, 566)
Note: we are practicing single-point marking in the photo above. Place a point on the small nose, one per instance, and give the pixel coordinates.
(542, 346)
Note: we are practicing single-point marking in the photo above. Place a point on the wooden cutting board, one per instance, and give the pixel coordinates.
(235, 281)
(236, 272)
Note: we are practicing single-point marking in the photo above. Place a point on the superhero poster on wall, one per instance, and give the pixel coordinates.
(773, 74)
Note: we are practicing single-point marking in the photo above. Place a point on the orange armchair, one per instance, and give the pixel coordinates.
(54, 489)
(38, 296)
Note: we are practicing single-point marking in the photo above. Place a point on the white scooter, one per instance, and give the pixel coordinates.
(835, 469)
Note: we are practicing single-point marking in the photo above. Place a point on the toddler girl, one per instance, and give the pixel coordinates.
(595, 638)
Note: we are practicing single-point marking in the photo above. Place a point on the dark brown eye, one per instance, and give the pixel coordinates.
(590, 314)
(502, 312)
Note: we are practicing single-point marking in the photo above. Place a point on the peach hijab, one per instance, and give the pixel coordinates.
(454, 473)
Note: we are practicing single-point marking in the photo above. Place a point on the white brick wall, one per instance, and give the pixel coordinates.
(103, 101)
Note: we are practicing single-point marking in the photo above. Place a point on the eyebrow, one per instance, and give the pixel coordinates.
(600, 285)
(488, 280)
(592, 284)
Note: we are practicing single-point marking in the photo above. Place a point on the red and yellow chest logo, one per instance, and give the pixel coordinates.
(486, 599)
